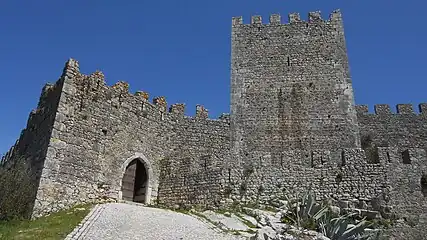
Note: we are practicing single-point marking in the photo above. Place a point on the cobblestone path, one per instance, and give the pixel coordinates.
(125, 222)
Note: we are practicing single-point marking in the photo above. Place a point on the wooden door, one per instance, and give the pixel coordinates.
(140, 183)
(128, 183)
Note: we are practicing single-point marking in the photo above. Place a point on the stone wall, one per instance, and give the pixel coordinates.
(391, 186)
(406, 192)
(31, 148)
(193, 172)
(403, 129)
(97, 130)
(293, 126)
(290, 86)
(343, 175)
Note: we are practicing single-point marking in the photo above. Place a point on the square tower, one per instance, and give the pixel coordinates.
(290, 86)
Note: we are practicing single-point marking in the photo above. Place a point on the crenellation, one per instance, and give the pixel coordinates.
(405, 109)
(144, 95)
(201, 112)
(335, 15)
(71, 68)
(362, 109)
(99, 77)
(47, 87)
(314, 17)
(121, 86)
(178, 109)
(161, 103)
(275, 19)
(44, 94)
(422, 107)
(300, 129)
(382, 109)
(236, 21)
(256, 20)
(385, 109)
(294, 17)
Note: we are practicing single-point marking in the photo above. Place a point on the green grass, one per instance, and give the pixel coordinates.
(55, 226)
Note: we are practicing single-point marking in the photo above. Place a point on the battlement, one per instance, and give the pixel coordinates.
(94, 84)
(293, 18)
(385, 109)
(293, 127)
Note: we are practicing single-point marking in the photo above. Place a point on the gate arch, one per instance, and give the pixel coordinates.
(136, 179)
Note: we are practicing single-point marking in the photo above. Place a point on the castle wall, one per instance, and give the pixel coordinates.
(406, 192)
(393, 186)
(193, 173)
(290, 86)
(403, 129)
(23, 163)
(97, 130)
(293, 127)
(343, 175)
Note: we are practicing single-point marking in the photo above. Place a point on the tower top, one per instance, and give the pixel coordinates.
(276, 19)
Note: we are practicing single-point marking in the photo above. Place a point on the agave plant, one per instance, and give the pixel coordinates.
(306, 213)
(342, 228)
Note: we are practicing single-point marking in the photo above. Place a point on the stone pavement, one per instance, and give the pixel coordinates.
(127, 222)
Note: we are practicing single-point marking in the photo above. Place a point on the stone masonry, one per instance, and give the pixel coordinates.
(293, 126)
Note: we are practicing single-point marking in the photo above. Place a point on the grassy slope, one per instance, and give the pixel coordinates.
(52, 227)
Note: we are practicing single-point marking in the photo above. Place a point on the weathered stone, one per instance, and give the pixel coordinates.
(265, 233)
(293, 126)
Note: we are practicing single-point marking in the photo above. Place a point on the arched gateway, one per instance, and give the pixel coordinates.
(135, 184)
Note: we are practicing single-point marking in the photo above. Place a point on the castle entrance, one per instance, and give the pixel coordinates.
(135, 182)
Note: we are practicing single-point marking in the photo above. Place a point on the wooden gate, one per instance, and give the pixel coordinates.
(128, 182)
(140, 183)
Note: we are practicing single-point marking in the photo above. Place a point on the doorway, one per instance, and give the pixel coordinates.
(135, 182)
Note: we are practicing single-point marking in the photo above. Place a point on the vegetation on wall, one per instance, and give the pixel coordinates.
(17, 189)
(309, 214)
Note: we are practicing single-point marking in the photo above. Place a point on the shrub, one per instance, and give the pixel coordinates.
(308, 214)
(305, 213)
(17, 191)
(345, 228)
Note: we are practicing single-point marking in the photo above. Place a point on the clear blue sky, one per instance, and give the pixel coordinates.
(181, 48)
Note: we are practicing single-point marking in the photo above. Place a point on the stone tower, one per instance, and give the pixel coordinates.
(293, 126)
(290, 87)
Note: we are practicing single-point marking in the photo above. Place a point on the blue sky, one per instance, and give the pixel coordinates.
(181, 48)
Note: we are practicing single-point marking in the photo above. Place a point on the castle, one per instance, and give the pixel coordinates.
(293, 125)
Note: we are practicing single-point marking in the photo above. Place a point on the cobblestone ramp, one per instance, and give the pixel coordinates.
(125, 222)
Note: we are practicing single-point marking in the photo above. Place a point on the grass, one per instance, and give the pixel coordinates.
(55, 226)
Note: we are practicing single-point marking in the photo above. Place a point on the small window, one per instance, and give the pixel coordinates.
(405, 157)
